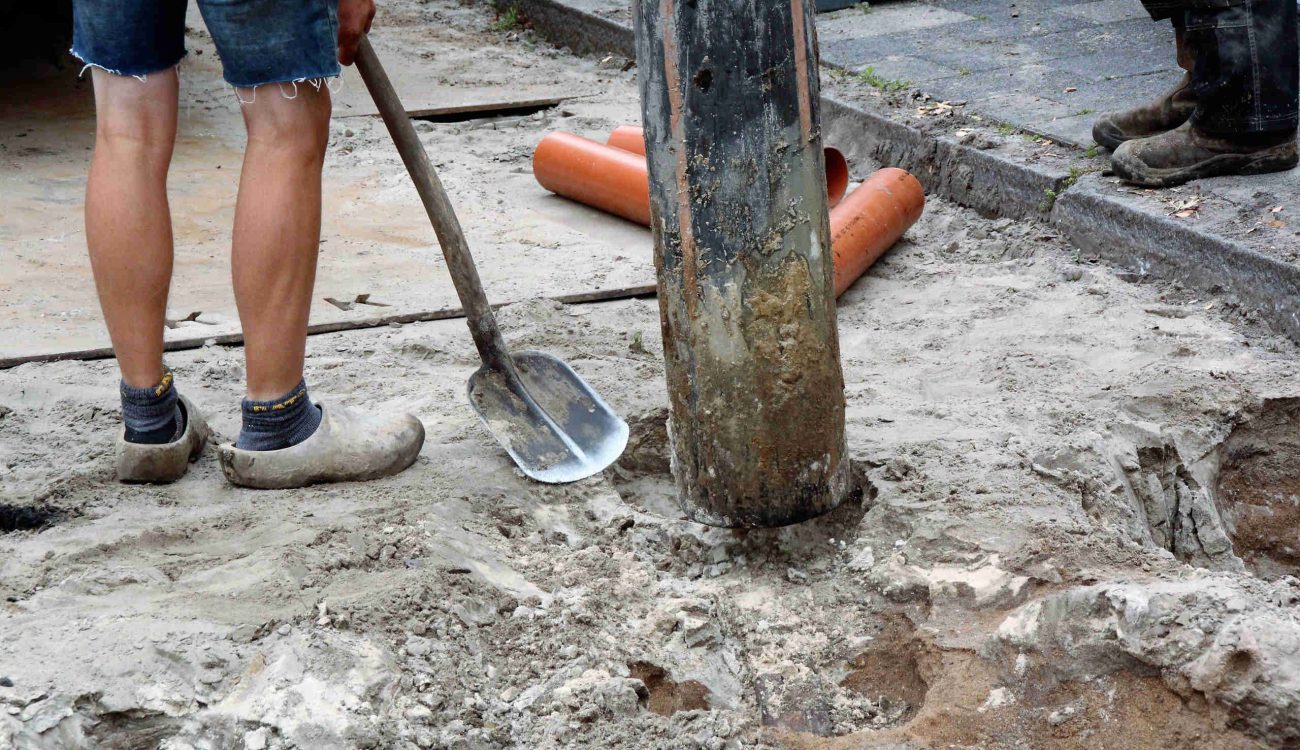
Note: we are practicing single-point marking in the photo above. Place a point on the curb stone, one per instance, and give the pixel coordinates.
(985, 181)
(581, 31)
(1094, 219)
(1101, 223)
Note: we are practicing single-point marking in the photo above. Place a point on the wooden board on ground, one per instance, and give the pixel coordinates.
(439, 70)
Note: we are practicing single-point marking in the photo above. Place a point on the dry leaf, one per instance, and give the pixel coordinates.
(1186, 207)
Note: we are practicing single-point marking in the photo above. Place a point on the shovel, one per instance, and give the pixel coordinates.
(554, 426)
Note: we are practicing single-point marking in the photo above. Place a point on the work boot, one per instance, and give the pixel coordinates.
(1188, 154)
(348, 446)
(1160, 116)
(163, 462)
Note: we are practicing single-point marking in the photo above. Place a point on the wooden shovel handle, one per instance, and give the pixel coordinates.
(460, 263)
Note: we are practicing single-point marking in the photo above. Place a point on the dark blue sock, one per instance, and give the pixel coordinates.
(152, 415)
(280, 422)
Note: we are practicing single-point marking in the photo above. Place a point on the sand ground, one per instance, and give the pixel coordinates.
(1073, 527)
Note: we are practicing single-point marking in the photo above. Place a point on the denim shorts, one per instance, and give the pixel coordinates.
(259, 41)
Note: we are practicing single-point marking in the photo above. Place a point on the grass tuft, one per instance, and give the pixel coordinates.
(508, 20)
(869, 76)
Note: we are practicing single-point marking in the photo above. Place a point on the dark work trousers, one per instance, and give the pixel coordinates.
(1245, 78)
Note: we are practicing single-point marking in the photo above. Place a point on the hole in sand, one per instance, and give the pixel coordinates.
(643, 474)
(667, 697)
(27, 517)
(888, 670)
(1259, 489)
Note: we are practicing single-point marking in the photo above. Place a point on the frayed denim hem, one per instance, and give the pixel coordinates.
(289, 86)
(141, 76)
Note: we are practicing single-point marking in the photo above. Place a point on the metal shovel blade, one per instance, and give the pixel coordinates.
(554, 425)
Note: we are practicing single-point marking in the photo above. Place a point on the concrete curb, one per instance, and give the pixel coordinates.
(1101, 223)
(581, 31)
(987, 182)
(1093, 219)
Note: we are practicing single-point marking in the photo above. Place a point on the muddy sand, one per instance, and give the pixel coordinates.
(1076, 527)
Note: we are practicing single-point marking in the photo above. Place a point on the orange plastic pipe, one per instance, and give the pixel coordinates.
(870, 220)
(864, 225)
(629, 138)
(632, 138)
(604, 177)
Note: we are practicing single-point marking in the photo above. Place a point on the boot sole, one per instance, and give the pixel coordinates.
(1275, 159)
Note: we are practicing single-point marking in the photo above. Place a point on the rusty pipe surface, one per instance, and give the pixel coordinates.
(729, 100)
(632, 138)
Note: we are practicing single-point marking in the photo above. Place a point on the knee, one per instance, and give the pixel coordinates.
(298, 124)
(136, 117)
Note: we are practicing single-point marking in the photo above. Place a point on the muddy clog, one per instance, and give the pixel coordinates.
(348, 446)
(166, 462)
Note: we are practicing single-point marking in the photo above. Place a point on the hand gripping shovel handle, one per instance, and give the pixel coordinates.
(482, 324)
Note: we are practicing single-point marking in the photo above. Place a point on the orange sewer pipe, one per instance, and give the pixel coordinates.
(871, 219)
(611, 179)
(632, 138)
(863, 226)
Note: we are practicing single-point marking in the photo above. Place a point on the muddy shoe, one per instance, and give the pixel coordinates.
(348, 446)
(1160, 116)
(1188, 154)
(164, 462)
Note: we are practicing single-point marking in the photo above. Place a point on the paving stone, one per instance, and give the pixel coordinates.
(885, 19)
(1031, 79)
(1019, 109)
(1075, 129)
(1105, 11)
(1117, 39)
(1100, 66)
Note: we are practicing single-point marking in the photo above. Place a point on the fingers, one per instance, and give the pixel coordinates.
(355, 18)
(348, 42)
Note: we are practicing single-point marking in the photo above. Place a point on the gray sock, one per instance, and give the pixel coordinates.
(152, 415)
(280, 422)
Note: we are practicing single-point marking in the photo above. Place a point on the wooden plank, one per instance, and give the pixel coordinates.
(379, 321)
(480, 109)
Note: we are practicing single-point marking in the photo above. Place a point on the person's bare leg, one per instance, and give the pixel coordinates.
(277, 230)
(128, 222)
(285, 439)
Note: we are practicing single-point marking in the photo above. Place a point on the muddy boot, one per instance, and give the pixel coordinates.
(347, 446)
(1160, 116)
(163, 462)
(1188, 154)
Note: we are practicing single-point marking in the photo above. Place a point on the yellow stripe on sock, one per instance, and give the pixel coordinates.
(163, 384)
(283, 404)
